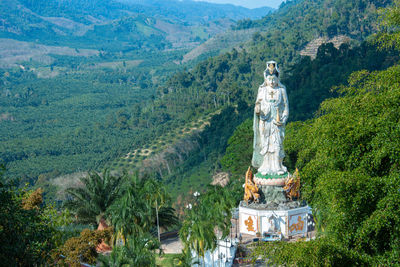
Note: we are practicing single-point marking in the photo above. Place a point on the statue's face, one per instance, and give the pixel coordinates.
(271, 66)
(272, 81)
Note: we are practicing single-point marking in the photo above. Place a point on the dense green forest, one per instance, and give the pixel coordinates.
(77, 119)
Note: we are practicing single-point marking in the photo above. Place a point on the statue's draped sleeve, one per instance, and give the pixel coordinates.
(285, 113)
(257, 157)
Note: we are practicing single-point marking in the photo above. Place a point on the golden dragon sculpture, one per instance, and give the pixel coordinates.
(250, 188)
(292, 186)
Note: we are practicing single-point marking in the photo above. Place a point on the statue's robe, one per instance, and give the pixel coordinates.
(271, 101)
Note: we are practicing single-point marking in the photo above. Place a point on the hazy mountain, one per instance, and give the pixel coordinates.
(192, 11)
(111, 25)
(68, 20)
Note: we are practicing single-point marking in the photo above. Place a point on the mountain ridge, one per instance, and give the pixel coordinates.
(22, 18)
(116, 26)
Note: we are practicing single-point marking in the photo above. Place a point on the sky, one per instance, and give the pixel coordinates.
(248, 3)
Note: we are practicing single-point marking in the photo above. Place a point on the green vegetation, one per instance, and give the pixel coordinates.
(28, 230)
(239, 152)
(80, 129)
(231, 79)
(348, 156)
(135, 209)
(210, 213)
(167, 260)
(356, 19)
(82, 248)
(36, 234)
(92, 201)
(77, 120)
(71, 109)
(118, 26)
(137, 251)
(195, 171)
(310, 82)
(234, 76)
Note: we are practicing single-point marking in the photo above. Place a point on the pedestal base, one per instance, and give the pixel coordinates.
(271, 179)
(288, 219)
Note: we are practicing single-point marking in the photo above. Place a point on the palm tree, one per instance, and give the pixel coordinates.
(144, 204)
(167, 217)
(91, 201)
(156, 195)
(159, 200)
(220, 202)
(139, 250)
(132, 214)
(197, 232)
(212, 212)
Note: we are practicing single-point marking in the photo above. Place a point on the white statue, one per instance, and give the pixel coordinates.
(270, 116)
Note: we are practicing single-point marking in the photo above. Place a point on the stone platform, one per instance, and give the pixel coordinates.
(289, 219)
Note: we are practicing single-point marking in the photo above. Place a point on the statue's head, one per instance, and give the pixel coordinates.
(272, 68)
(271, 80)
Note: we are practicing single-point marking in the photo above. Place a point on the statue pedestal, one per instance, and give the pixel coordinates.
(275, 180)
(288, 219)
(273, 213)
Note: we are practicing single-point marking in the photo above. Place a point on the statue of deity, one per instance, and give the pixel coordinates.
(270, 116)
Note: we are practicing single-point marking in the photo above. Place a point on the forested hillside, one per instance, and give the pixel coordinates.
(226, 80)
(78, 78)
(226, 83)
(309, 83)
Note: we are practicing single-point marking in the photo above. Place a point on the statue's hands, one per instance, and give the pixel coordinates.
(258, 108)
(277, 123)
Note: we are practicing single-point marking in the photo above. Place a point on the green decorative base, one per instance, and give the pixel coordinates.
(271, 176)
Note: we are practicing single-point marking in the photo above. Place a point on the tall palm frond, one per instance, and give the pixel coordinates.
(97, 194)
(132, 213)
(167, 217)
(197, 233)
